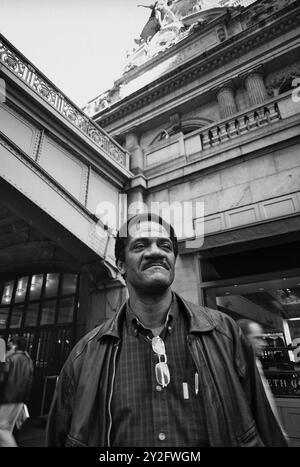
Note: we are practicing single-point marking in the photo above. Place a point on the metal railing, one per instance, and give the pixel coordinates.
(13, 60)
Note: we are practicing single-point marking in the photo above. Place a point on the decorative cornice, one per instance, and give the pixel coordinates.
(226, 85)
(219, 56)
(257, 70)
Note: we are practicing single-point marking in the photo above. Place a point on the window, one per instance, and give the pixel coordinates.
(38, 300)
(32, 314)
(36, 287)
(66, 310)
(48, 312)
(3, 317)
(21, 290)
(16, 317)
(7, 293)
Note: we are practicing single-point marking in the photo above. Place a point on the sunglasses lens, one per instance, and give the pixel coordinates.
(158, 346)
(162, 374)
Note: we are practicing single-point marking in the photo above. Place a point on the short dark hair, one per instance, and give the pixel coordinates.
(20, 342)
(123, 233)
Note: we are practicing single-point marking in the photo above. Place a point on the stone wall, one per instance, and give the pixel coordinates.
(242, 182)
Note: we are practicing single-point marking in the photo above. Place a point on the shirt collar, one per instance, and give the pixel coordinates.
(200, 319)
(134, 326)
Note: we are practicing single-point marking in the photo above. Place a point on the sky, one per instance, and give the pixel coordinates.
(80, 45)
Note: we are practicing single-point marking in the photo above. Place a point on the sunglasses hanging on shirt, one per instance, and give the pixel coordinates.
(162, 372)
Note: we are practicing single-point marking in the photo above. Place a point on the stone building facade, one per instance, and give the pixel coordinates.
(209, 110)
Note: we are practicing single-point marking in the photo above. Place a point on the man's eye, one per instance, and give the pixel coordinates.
(138, 246)
(167, 245)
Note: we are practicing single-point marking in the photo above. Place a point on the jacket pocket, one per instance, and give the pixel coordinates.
(74, 443)
(250, 439)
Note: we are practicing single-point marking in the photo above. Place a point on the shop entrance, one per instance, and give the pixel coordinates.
(41, 308)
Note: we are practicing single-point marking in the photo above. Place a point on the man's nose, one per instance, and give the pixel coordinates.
(153, 250)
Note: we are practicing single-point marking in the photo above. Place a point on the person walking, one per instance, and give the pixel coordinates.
(254, 332)
(15, 389)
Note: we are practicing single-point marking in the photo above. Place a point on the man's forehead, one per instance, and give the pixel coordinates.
(147, 229)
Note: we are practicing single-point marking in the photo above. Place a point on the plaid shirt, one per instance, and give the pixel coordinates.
(144, 413)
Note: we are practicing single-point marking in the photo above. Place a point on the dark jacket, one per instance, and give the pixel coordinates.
(237, 409)
(17, 378)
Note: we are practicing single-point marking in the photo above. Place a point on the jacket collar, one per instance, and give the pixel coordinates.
(199, 318)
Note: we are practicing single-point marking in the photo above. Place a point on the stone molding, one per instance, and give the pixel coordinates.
(220, 57)
(257, 70)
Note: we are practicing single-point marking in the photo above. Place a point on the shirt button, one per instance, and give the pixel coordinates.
(162, 436)
(158, 388)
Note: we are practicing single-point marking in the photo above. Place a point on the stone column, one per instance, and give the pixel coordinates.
(136, 154)
(226, 100)
(255, 86)
(136, 196)
(242, 99)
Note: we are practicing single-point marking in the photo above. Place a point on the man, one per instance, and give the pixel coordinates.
(15, 388)
(254, 332)
(163, 372)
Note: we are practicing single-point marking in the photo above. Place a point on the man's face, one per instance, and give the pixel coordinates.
(9, 345)
(149, 258)
(256, 337)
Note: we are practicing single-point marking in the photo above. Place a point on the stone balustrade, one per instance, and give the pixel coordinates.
(37, 82)
(196, 144)
(239, 125)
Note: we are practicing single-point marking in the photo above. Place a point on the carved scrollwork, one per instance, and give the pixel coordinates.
(11, 61)
(44, 90)
(117, 155)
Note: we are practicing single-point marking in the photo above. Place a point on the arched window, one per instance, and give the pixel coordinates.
(183, 128)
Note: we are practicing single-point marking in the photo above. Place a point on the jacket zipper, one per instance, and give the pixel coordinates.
(111, 393)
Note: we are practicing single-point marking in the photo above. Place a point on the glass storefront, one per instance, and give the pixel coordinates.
(41, 307)
(275, 304)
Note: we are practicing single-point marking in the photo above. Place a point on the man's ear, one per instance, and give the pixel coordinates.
(121, 266)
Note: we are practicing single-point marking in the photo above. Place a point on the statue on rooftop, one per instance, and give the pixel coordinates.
(161, 13)
(153, 24)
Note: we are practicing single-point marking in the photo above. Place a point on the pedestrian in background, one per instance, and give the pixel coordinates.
(255, 334)
(15, 389)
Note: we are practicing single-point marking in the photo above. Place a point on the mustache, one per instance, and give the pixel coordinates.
(157, 262)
